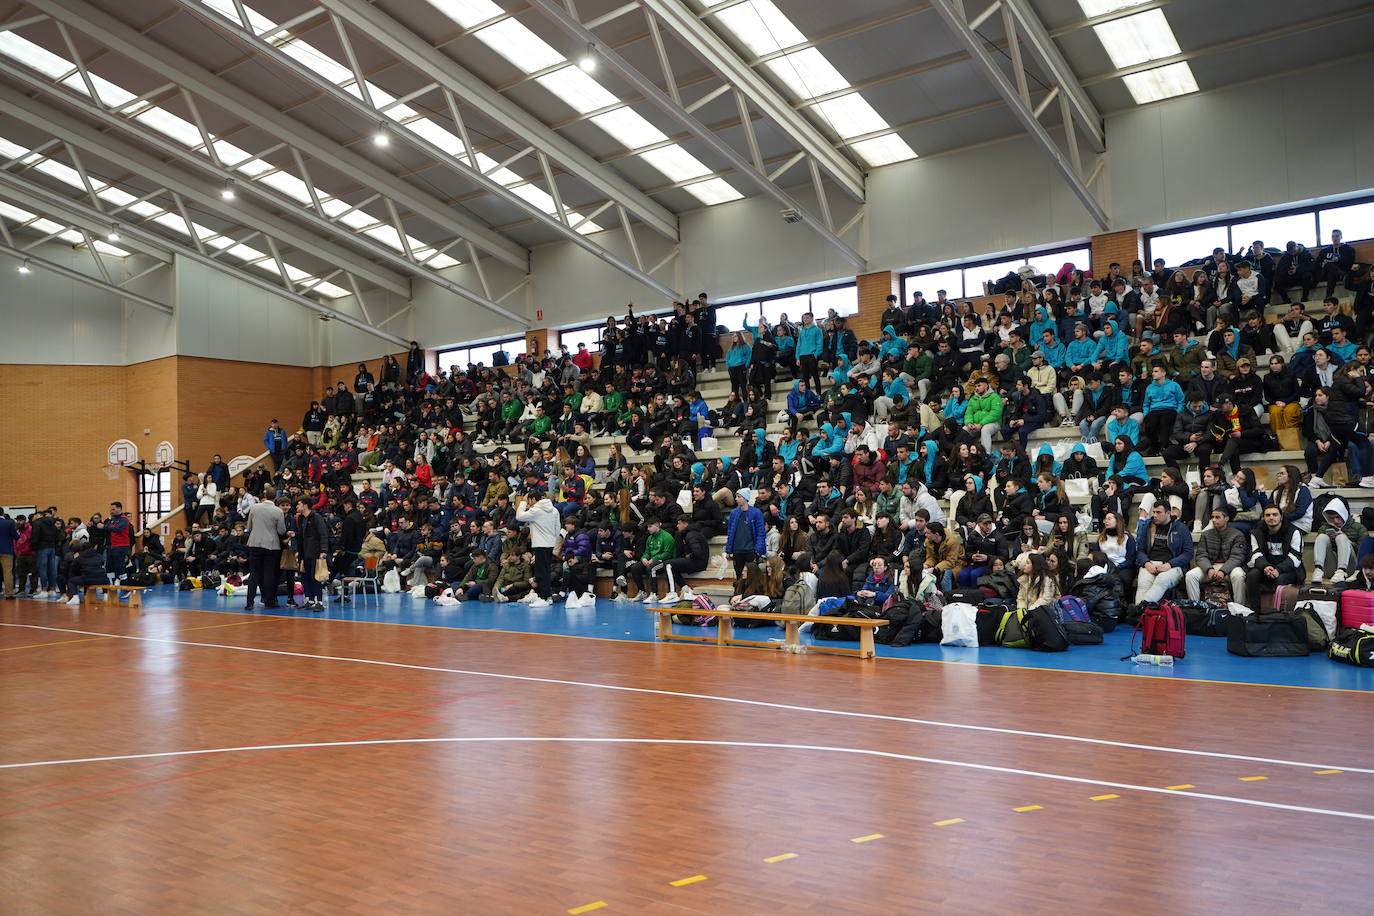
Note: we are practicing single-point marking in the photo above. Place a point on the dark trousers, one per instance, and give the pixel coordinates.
(739, 381)
(263, 565)
(543, 570)
(1156, 428)
(1333, 275)
(809, 372)
(115, 558)
(742, 559)
(313, 589)
(1256, 581)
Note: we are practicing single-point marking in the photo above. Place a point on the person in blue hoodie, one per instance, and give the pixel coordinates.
(1055, 353)
(1127, 466)
(810, 340)
(1045, 462)
(893, 345)
(1112, 349)
(831, 443)
(1041, 324)
(1079, 352)
(955, 404)
(737, 361)
(1163, 400)
(802, 403)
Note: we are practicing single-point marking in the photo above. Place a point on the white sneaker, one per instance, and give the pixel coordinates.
(671, 598)
(1066, 422)
(648, 598)
(1339, 577)
(1316, 482)
(620, 582)
(1197, 529)
(540, 602)
(75, 599)
(686, 594)
(1367, 481)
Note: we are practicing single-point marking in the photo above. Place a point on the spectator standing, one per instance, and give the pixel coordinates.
(46, 539)
(266, 528)
(9, 533)
(746, 537)
(545, 524)
(218, 471)
(274, 443)
(313, 538)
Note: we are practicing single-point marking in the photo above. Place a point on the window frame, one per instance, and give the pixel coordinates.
(972, 265)
(159, 495)
(444, 358)
(1323, 231)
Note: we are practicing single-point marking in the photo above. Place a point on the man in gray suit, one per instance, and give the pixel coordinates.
(266, 528)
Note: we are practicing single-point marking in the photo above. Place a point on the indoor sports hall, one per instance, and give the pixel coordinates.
(686, 456)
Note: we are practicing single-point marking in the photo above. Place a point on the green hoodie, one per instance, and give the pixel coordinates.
(612, 402)
(983, 410)
(513, 574)
(511, 410)
(660, 546)
(920, 367)
(539, 426)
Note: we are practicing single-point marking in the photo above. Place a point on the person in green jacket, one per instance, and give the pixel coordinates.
(983, 416)
(539, 426)
(478, 578)
(1017, 351)
(511, 408)
(514, 581)
(916, 370)
(658, 547)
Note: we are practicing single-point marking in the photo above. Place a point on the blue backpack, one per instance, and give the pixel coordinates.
(1071, 608)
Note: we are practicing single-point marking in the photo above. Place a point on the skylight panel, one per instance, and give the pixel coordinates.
(760, 25)
(850, 115)
(164, 122)
(807, 73)
(1136, 39)
(467, 13)
(1160, 83)
(34, 56)
(676, 163)
(575, 87)
(883, 150)
(316, 62)
(629, 128)
(517, 44)
(713, 191)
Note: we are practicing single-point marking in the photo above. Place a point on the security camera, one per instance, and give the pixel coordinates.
(791, 216)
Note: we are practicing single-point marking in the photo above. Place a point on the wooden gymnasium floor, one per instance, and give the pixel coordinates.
(190, 762)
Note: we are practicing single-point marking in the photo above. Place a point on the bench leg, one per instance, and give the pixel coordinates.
(792, 635)
(663, 626)
(725, 630)
(865, 642)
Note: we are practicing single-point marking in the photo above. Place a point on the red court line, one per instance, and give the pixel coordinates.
(44, 712)
(195, 683)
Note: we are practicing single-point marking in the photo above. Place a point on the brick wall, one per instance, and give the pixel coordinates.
(874, 288)
(1122, 247)
(224, 405)
(58, 422)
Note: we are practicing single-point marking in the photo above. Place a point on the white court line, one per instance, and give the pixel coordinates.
(718, 699)
(751, 744)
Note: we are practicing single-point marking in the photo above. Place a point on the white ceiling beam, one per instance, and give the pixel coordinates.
(14, 182)
(560, 16)
(702, 39)
(1037, 38)
(182, 182)
(951, 11)
(98, 228)
(160, 59)
(438, 66)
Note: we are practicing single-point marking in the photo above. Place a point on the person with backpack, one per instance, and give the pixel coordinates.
(1276, 556)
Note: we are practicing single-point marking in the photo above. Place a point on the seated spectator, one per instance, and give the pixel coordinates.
(1337, 528)
(1275, 558)
(1164, 550)
(1220, 561)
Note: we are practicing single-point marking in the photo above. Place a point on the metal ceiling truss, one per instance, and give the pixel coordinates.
(105, 281)
(563, 221)
(570, 24)
(328, 228)
(749, 84)
(1026, 33)
(208, 87)
(20, 188)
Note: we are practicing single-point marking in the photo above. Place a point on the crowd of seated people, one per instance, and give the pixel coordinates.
(904, 461)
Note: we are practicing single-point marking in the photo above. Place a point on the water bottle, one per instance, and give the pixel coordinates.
(1163, 661)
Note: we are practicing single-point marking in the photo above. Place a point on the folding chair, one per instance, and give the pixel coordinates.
(368, 580)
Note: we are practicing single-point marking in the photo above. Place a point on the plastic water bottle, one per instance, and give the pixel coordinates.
(1163, 661)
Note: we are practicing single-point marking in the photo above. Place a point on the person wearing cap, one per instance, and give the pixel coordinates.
(746, 536)
(1231, 352)
(983, 543)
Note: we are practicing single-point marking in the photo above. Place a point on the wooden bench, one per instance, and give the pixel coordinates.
(112, 595)
(725, 631)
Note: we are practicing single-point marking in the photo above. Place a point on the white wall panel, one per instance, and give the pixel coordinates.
(48, 319)
(221, 317)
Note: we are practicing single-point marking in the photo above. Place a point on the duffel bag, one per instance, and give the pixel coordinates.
(932, 625)
(1044, 632)
(1203, 618)
(1083, 633)
(1352, 647)
(840, 632)
(964, 596)
(1268, 635)
(1010, 632)
(988, 622)
(1320, 617)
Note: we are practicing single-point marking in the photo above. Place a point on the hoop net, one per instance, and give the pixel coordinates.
(111, 471)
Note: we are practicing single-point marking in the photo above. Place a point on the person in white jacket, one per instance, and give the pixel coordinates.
(546, 527)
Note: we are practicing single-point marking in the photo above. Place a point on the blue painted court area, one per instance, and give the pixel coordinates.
(1207, 658)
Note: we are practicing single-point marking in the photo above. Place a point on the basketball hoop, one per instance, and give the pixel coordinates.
(111, 471)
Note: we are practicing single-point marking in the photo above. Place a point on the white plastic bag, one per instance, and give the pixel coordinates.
(684, 500)
(391, 582)
(957, 621)
(417, 591)
(709, 444)
(1077, 488)
(1237, 609)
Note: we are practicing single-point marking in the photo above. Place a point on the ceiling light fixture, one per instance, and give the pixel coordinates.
(113, 234)
(587, 62)
(228, 192)
(381, 137)
(24, 267)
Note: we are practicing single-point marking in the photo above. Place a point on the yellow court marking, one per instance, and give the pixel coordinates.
(1186, 785)
(237, 623)
(89, 639)
(953, 820)
(1029, 808)
(865, 839)
(1327, 772)
(1252, 778)
(587, 907)
(680, 882)
(786, 855)
(1104, 797)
